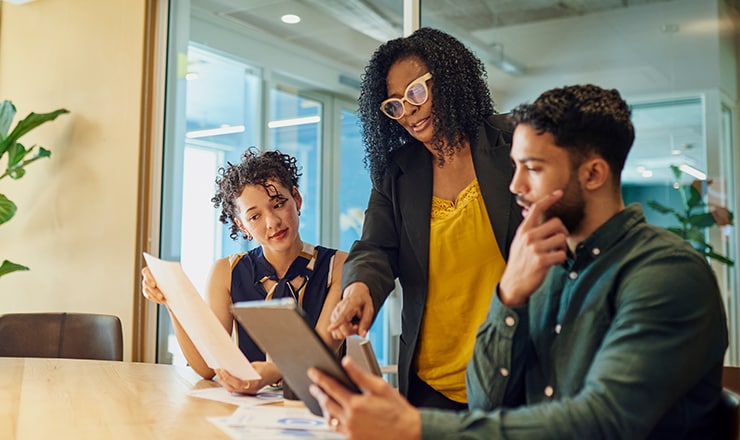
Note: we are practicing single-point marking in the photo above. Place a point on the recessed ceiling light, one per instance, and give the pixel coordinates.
(670, 28)
(290, 19)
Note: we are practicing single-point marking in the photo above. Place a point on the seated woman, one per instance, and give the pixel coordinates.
(259, 197)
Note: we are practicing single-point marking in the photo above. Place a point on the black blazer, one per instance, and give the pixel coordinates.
(395, 233)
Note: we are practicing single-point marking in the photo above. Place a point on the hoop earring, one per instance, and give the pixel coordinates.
(299, 213)
(249, 237)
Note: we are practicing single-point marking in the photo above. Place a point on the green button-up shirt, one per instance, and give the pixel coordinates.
(625, 340)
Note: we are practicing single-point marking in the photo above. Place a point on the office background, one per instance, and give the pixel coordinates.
(132, 164)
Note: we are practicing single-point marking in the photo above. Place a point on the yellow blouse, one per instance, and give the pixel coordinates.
(465, 264)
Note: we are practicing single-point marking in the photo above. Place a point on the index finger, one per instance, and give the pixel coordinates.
(538, 208)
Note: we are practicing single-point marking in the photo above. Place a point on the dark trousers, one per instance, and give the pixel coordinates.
(421, 395)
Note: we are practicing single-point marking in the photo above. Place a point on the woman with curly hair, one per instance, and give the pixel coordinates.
(259, 198)
(440, 216)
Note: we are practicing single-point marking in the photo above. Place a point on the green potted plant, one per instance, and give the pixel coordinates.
(18, 157)
(695, 217)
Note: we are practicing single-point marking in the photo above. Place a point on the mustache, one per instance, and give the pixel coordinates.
(522, 201)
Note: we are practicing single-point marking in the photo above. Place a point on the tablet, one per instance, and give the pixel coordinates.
(279, 327)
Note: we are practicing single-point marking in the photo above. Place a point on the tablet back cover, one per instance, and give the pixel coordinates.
(280, 329)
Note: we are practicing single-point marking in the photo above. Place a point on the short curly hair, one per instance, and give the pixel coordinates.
(461, 99)
(583, 119)
(256, 168)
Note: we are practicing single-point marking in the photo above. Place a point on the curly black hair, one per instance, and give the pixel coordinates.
(256, 168)
(584, 119)
(461, 99)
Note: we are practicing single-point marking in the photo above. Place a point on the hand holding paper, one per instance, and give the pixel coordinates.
(198, 321)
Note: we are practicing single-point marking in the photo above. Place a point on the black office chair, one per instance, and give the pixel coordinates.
(729, 413)
(61, 335)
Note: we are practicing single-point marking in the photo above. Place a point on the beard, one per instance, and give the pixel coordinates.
(571, 208)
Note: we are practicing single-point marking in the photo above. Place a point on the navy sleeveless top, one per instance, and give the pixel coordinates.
(250, 270)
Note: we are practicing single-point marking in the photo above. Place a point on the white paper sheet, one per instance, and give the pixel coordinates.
(198, 320)
(277, 417)
(241, 432)
(220, 394)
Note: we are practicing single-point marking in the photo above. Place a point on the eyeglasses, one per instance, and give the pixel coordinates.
(416, 93)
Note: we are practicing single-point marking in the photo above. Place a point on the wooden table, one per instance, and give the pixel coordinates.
(82, 399)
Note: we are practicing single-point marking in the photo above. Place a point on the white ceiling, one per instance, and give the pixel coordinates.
(659, 48)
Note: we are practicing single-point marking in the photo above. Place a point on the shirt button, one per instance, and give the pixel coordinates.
(573, 275)
(558, 327)
(510, 321)
(596, 251)
(549, 391)
(504, 372)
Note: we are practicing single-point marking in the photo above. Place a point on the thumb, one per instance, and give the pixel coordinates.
(366, 320)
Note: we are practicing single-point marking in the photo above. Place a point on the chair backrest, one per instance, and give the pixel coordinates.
(61, 335)
(729, 415)
(731, 378)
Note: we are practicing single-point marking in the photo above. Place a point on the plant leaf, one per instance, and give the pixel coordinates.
(704, 220)
(16, 152)
(676, 172)
(720, 258)
(7, 209)
(18, 169)
(681, 218)
(17, 173)
(8, 267)
(30, 122)
(7, 113)
(694, 198)
(659, 207)
(696, 235)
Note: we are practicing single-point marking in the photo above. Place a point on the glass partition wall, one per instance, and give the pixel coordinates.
(240, 74)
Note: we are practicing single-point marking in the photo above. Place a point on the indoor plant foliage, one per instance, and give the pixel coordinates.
(18, 157)
(695, 217)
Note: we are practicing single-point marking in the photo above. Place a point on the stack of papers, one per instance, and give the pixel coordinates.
(274, 422)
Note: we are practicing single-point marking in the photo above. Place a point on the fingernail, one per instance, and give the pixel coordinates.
(312, 374)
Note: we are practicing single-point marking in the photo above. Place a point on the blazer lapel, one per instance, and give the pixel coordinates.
(494, 172)
(415, 200)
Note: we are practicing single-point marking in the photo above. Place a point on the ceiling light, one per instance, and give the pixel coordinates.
(225, 129)
(691, 171)
(670, 28)
(290, 19)
(291, 122)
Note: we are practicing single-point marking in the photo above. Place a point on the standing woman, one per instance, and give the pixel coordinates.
(440, 215)
(259, 198)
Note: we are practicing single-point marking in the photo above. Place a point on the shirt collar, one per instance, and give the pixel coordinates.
(608, 234)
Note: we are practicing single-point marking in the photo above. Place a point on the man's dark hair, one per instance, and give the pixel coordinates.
(585, 120)
(461, 100)
(256, 168)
